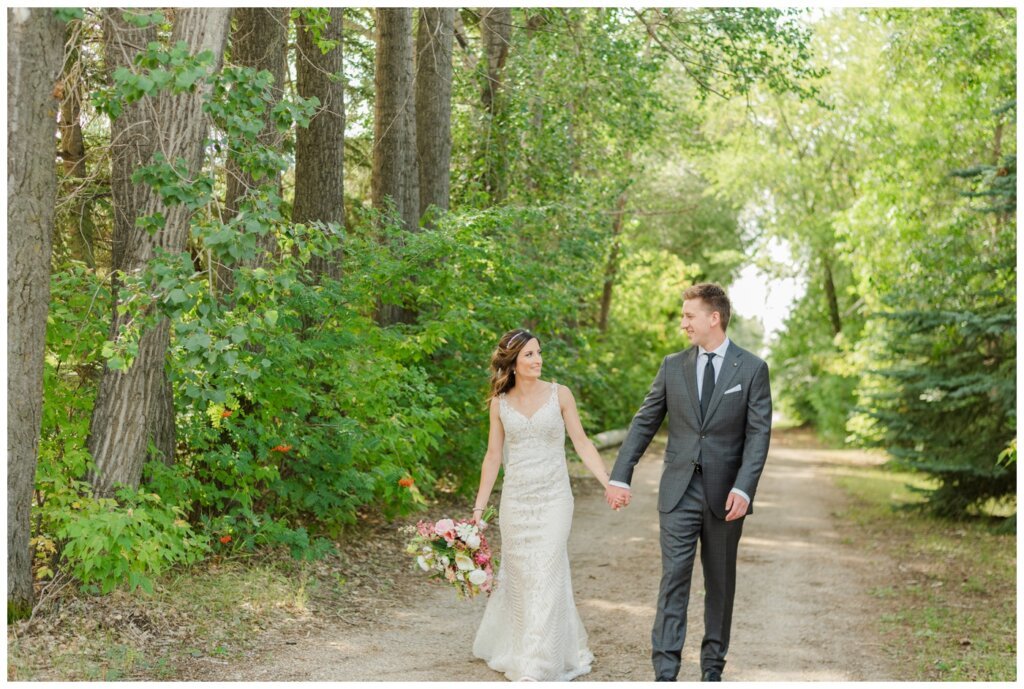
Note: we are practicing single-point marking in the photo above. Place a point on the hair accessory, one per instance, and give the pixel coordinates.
(516, 337)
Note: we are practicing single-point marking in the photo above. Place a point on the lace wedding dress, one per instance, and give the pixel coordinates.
(530, 628)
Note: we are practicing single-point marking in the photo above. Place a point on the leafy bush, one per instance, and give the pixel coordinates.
(102, 542)
(131, 539)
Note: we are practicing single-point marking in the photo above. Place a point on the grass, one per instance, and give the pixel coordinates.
(209, 611)
(951, 593)
(203, 619)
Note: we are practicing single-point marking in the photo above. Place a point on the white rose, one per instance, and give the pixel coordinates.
(477, 577)
(473, 541)
(463, 561)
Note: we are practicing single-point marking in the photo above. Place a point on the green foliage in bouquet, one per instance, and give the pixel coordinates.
(456, 552)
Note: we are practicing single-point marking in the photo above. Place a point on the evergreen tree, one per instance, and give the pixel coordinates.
(944, 402)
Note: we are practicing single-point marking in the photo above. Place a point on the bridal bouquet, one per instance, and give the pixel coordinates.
(456, 552)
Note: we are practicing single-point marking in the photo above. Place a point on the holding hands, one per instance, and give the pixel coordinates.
(616, 497)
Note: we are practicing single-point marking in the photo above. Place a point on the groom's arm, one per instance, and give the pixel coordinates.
(645, 424)
(758, 432)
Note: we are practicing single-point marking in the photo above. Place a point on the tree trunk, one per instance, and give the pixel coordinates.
(131, 133)
(394, 176)
(260, 41)
(81, 229)
(35, 46)
(127, 403)
(411, 187)
(496, 35)
(434, 105)
(533, 25)
(320, 148)
(612, 269)
(132, 142)
(392, 137)
(833, 300)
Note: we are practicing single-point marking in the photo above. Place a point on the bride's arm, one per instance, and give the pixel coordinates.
(584, 448)
(492, 461)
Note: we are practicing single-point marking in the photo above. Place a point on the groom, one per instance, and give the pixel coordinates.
(719, 407)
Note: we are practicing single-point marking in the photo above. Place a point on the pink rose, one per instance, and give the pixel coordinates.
(445, 527)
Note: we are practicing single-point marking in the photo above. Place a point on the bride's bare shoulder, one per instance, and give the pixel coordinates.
(564, 393)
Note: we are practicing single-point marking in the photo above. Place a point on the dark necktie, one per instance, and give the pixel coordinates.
(708, 388)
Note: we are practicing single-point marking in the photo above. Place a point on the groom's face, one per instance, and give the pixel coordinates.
(700, 323)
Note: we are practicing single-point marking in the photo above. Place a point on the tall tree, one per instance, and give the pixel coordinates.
(611, 268)
(411, 188)
(72, 148)
(320, 147)
(35, 40)
(132, 141)
(394, 133)
(131, 132)
(496, 36)
(125, 413)
(434, 35)
(259, 40)
(395, 178)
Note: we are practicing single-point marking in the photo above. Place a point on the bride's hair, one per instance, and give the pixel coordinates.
(503, 360)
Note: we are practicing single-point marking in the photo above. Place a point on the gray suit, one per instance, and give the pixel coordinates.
(730, 445)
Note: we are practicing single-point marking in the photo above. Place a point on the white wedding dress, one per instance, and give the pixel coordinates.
(530, 628)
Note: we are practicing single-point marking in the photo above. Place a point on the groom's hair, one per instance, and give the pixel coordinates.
(714, 296)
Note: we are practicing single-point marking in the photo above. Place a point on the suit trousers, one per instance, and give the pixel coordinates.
(691, 521)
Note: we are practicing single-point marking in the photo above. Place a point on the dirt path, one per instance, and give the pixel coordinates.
(802, 609)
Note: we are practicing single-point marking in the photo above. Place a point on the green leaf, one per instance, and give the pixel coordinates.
(238, 334)
(66, 14)
(197, 342)
(188, 77)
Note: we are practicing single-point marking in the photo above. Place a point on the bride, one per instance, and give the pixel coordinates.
(531, 629)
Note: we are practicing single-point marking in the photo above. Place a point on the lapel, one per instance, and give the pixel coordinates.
(689, 360)
(730, 365)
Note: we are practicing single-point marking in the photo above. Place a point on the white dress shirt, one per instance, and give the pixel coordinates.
(702, 362)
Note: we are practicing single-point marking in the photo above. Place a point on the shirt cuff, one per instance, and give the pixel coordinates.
(620, 484)
(741, 494)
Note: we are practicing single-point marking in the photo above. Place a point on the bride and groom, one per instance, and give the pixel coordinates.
(718, 402)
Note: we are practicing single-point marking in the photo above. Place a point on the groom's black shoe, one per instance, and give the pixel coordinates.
(711, 676)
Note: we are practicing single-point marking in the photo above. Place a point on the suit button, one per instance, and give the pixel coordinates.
(703, 436)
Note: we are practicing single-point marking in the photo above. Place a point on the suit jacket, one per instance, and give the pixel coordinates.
(732, 442)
